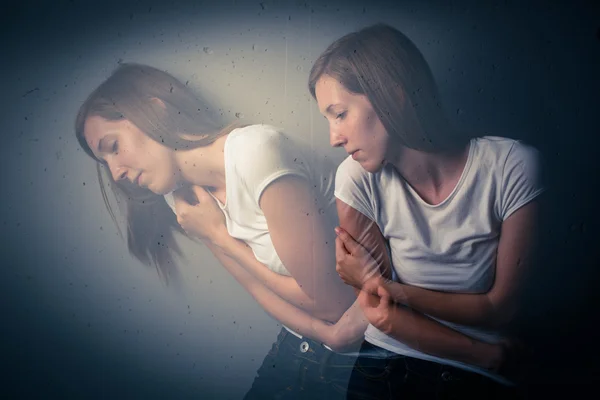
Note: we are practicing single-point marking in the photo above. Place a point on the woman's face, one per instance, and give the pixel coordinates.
(130, 154)
(353, 123)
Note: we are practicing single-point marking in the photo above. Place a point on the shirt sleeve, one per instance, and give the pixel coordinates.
(521, 178)
(263, 157)
(353, 187)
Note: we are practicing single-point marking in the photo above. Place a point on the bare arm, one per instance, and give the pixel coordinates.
(427, 335)
(305, 243)
(409, 326)
(285, 287)
(496, 308)
(284, 312)
(350, 328)
(367, 233)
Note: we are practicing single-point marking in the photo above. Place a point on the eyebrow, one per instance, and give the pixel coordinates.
(99, 150)
(100, 145)
(329, 107)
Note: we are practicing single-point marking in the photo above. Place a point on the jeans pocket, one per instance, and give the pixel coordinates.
(372, 368)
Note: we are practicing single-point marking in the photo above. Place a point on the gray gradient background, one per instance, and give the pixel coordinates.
(81, 318)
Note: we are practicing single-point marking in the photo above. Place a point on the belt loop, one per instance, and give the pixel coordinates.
(285, 334)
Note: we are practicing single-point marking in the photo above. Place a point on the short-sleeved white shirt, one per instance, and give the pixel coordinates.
(256, 156)
(450, 246)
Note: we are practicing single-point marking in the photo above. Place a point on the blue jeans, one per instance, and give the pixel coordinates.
(400, 377)
(298, 368)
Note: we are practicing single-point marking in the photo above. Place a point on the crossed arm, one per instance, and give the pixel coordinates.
(314, 292)
(304, 243)
(496, 308)
(339, 337)
(407, 324)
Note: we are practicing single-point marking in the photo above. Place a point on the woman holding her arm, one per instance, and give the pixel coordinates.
(457, 212)
(262, 203)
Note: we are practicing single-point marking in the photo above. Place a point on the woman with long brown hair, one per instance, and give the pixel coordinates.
(458, 213)
(261, 202)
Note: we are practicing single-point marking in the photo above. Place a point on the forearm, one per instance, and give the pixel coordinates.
(350, 328)
(460, 308)
(284, 286)
(431, 337)
(284, 312)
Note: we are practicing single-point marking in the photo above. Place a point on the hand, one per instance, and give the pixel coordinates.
(203, 220)
(377, 306)
(354, 264)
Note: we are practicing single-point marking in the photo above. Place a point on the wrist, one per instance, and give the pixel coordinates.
(222, 240)
(397, 291)
(385, 322)
(323, 331)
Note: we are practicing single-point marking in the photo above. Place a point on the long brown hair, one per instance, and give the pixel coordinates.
(382, 63)
(130, 93)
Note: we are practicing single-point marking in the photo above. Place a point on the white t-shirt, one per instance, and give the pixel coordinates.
(450, 246)
(256, 156)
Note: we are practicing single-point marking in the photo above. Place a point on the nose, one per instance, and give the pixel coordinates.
(335, 139)
(117, 172)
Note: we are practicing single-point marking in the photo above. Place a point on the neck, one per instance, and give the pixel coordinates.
(204, 166)
(430, 169)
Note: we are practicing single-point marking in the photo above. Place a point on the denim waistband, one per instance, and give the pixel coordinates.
(366, 349)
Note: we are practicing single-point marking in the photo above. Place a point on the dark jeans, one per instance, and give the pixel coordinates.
(400, 377)
(298, 368)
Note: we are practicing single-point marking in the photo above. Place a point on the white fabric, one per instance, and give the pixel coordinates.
(450, 246)
(256, 156)
(170, 201)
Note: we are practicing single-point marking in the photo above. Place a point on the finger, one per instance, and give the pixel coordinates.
(351, 245)
(340, 273)
(370, 302)
(370, 286)
(201, 193)
(384, 295)
(340, 250)
(363, 300)
(180, 202)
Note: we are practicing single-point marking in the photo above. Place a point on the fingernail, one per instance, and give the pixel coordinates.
(337, 230)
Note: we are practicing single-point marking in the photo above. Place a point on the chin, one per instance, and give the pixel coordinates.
(165, 188)
(372, 167)
(160, 191)
(156, 190)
